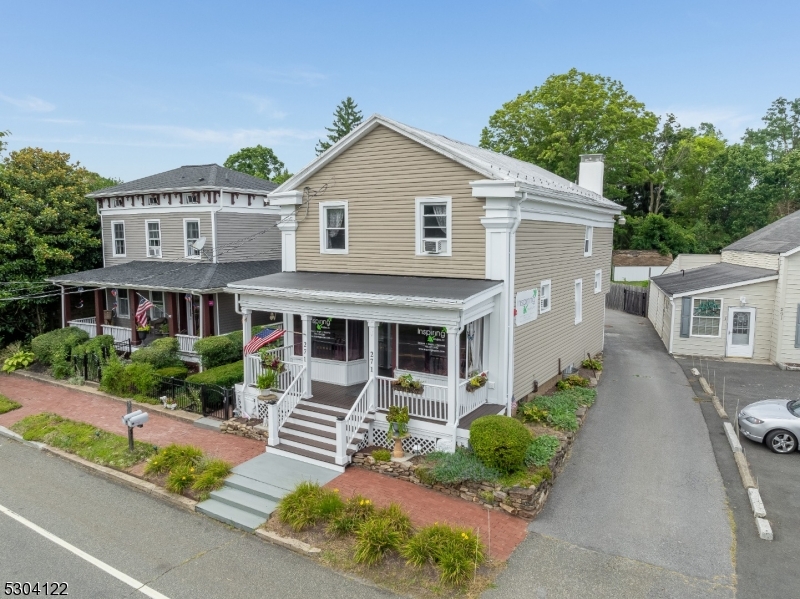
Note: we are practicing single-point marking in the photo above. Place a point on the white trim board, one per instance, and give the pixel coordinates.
(191, 207)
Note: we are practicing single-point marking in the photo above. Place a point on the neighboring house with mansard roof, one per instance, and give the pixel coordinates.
(742, 303)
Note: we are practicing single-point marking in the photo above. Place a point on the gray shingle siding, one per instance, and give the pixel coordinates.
(247, 237)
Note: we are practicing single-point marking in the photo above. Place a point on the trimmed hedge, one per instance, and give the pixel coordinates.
(500, 442)
(95, 346)
(57, 344)
(226, 375)
(219, 350)
(175, 372)
(128, 380)
(161, 353)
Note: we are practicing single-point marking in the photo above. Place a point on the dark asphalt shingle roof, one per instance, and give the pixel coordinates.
(399, 286)
(709, 277)
(146, 274)
(190, 177)
(781, 236)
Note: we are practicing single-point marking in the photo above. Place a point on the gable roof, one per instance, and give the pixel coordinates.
(777, 238)
(190, 177)
(487, 163)
(712, 277)
(639, 258)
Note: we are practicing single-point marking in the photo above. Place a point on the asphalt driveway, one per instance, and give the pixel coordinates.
(640, 509)
(765, 569)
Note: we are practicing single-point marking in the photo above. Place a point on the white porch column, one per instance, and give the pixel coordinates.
(372, 360)
(247, 334)
(453, 355)
(306, 354)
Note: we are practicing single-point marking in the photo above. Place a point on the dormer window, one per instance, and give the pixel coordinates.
(434, 226)
(153, 200)
(119, 202)
(191, 198)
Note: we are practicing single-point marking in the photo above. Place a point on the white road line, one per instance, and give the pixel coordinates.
(132, 582)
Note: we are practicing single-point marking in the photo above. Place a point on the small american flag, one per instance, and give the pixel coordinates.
(141, 312)
(262, 338)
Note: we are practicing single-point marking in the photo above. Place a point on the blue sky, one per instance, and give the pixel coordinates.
(137, 88)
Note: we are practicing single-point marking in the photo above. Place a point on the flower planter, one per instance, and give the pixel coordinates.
(471, 388)
(401, 389)
(141, 335)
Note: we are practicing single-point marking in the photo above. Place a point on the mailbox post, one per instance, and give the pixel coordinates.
(131, 420)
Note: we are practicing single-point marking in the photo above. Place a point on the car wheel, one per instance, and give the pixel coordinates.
(782, 442)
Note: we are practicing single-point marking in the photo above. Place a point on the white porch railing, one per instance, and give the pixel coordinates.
(85, 324)
(279, 412)
(186, 343)
(347, 428)
(471, 400)
(431, 403)
(119, 333)
(285, 378)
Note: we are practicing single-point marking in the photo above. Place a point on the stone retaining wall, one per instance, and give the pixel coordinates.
(241, 427)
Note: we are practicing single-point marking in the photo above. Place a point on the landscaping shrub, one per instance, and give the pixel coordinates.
(592, 364)
(541, 450)
(212, 475)
(60, 341)
(9, 350)
(6, 405)
(161, 353)
(101, 346)
(500, 442)
(382, 455)
(308, 504)
(175, 372)
(113, 378)
(573, 380)
(457, 467)
(180, 478)
(21, 359)
(224, 376)
(374, 538)
(354, 513)
(398, 520)
(558, 410)
(455, 551)
(219, 350)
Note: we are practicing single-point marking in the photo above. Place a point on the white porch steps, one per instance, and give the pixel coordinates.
(309, 435)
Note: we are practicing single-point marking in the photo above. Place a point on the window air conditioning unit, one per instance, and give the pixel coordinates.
(154, 252)
(434, 246)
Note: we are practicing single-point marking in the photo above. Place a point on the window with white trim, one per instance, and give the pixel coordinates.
(153, 200)
(159, 307)
(123, 304)
(153, 238)
(118, 236)
(119, 202)
(598, 280)
(333, 227)
(578, 301)
(191, 198)
(545, 292)
(434, 226)
(706, 317)
(587, 241)
(191, 233)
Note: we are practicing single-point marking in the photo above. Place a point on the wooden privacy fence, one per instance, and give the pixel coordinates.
(627, 298)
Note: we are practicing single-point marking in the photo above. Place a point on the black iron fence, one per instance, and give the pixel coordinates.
(627, 298)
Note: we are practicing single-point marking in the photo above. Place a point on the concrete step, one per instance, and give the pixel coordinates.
(230, 515)
(303, 455)
(255, 487)
(243, 500)
(208, 423)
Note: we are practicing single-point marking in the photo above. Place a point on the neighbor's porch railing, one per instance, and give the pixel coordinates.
(119, 333)
(278, 413)
(431, 403)
(186, 343)
(347, 427)
(85, 324)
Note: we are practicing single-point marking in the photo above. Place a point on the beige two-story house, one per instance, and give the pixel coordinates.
(176, 239)
(408, 256)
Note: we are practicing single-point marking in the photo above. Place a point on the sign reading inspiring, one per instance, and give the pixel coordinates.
(527, 306)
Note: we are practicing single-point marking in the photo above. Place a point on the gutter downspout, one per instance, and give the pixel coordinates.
(671, 323)
(511, 266)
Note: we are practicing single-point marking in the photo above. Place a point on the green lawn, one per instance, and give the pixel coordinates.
(6, 405)
(85, 440)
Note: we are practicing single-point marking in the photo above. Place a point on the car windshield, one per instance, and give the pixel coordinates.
(794, 407)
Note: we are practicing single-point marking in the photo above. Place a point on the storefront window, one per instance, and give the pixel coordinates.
(298, 335)
(328, 338)
(355, 339)
(422, 349)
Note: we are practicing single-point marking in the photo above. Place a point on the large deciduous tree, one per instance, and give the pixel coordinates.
(346, 117)
(259, 162)
(578, 113)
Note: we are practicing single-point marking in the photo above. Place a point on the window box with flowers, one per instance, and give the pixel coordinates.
(408, 384)
(476, 381)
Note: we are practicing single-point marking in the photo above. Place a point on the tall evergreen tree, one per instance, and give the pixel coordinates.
(346, 117)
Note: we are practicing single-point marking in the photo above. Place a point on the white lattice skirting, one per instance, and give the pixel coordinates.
(426, 441)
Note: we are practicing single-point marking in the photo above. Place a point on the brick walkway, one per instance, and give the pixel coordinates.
(37, 397)
(426, 507)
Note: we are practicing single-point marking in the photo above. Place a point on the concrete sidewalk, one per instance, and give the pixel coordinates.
(640, 510)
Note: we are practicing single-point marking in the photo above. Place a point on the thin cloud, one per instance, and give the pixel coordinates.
(731, 121)
(29, 103)
(264, 105)
(223, 136)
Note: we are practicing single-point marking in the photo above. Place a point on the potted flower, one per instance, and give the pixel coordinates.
(476, 381)
(265, 382)
(398, 428)
(408, 384)
(142, 331)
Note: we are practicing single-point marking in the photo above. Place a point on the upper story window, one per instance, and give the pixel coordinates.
(578, 301)
(191, 198)
(118, 234)
(706, 317)
(191, 231)
(587, 241)
(123, 304)
(598, 280)
(119, 202)
(434, 226)
(545, 292)
(153, 238)
(153, 200)
(333, 227)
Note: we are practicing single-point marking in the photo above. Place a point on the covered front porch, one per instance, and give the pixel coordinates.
(358, 344)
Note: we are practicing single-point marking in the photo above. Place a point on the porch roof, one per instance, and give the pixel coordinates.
(721, 275)
(198, 276)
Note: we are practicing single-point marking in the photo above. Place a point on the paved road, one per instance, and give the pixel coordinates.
(640, 509)
(181, 555)
(764, 569)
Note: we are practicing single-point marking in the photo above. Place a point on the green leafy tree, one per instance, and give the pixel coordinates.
(578, 113)
(781, 133)
(259, 162)
(656, 232)
(346, 117)
(47, 227)
(3, 144)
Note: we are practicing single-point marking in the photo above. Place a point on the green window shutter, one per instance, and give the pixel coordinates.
(797, 328)
(686, 316)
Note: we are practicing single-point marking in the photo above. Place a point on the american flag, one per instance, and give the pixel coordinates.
(141, 311)
(263, 338)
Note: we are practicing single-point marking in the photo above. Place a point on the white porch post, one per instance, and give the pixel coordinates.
(247, 334)
(453, 358)
(373, 363)
(306, 318)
